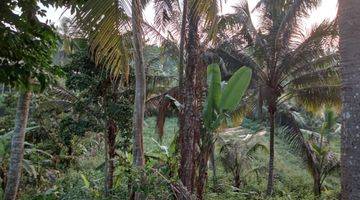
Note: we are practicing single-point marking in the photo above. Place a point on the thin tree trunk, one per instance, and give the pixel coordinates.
(270, 185)
(260, 104)
(191, 123)
(181, 68)
(349, 21)
(317, 185)
(182, 43)
(106, 167)
(110, 155)
(17, 146)
(140, 89)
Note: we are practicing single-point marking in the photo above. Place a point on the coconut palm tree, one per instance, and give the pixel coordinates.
(109, 24)
(287, 61)
(349, 15)
(140, 88)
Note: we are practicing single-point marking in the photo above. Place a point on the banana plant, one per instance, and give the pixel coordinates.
(220, 103)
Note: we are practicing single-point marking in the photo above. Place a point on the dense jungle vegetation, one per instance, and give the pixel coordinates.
(195, 104)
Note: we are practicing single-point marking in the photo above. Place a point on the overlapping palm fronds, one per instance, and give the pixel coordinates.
(314, 150)
(107, 25)
(288, 62)
(304, 66)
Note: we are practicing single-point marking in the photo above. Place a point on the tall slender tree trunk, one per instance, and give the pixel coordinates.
(17, 146)
(140, 89)
(260, 103)
(191, 123)
(181, 69)
(182, 43)
(349, 20)
(270, 185)
(110, 151)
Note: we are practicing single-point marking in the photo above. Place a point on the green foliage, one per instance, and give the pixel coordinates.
(235, 89)
(237, 155)
(221, 102)
(26, 47)
(7, 112)
(214, 94)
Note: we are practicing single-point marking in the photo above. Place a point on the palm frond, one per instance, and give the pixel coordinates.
(106, 24)
(331, 166)
(209, 10)
(292, 134)
(315, 97)
(311, 46)
(257, 147)
(290, 22)
(163, 11)
(325, 66)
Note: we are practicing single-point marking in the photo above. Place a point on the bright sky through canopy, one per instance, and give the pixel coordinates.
(327, 10)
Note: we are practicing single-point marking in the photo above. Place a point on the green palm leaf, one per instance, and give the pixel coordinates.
(235, 89)
(214, 93)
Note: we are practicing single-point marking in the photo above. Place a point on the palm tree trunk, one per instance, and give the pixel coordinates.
(349, 21)
(182, 43)
(140, 89)
(17, 146)
(110, 155)
(270, 185)
(181, 69)
(191, 123)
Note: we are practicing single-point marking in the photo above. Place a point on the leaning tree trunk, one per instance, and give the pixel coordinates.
(349, 21)
(270, 185)
(17, 146)
(191, 122)
(317, 185)
(110, 151)
(140, 89)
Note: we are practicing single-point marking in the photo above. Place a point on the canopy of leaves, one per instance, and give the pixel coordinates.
(26, 46)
